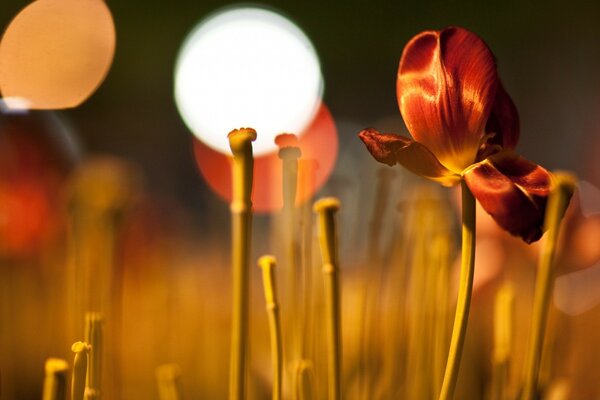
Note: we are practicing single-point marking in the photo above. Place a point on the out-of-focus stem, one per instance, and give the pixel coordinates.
(307, 175)
(168, 379)
(289, 153)
(55, 382)
(563, 188)
(305, 381)
(461, 316)
(240, 141)
(373, 285)
(93, 336)
(267, 264)
(80, 366)
(504, 322)
(326, 208)
(441, 326)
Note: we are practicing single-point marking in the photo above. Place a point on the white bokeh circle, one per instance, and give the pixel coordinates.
(247, 67)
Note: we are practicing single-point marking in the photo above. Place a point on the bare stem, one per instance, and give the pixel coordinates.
(80, 366)
(240, 142)
(564, 186)
(326, 209)
(267, 264)
(55, 382)
(504, 315)
(93, 336)
(168, 379)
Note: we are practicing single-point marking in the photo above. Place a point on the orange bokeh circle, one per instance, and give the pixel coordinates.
(55, 53)
(319, 142)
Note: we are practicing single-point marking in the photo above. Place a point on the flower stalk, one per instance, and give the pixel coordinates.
(55, 382)
(289, 153)
(267, 264)
(94, 336)
(80, 366)
(326, 209)
(564, 185)
(240, 141)
(461, 316)
(168, 378)
(504, 324)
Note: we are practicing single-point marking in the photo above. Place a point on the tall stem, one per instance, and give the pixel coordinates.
(267, 264)
(557, 204)
(80, 366)
(241, 213)
(94, 336)
(467, 269)
(326, 209)
(55, 382)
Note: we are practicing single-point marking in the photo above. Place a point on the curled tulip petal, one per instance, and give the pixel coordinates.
(446, 86)
(502, 126)
(513, 190)
(393, 149)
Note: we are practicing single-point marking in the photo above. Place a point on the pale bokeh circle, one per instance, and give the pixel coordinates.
(247, 67)
(55, 53)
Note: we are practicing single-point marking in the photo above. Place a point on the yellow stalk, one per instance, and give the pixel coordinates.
(55, 382)
(305, 381)
(326, 208)
(289, 153)
(563, 188)
(93, 336)
(240, 141)
(168, 379)
(370, 322)
(441, 328)
(395, 355)
(461, 316)
(306, 176)
(80, 365)
(504, 323)
(267, 264)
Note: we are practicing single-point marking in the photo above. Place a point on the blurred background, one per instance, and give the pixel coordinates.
(548, 57)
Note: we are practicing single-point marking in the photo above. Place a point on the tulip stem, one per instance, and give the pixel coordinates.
(461, 317)
(557, 204)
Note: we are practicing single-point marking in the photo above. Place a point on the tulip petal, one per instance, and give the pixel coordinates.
(393, 149)
(502, 125)
(446, 86)
(513, 190)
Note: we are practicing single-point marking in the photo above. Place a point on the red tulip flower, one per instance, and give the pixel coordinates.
(465, 127)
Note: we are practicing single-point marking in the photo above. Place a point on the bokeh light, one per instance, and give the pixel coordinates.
(247, 67)
(37, 153)
(318, 145)
(55, 53)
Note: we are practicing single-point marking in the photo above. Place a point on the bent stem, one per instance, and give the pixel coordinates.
(557, 204)
(461, 317)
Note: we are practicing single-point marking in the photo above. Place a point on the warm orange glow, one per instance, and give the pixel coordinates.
(55, 53)
(319, 142)
(35, 157)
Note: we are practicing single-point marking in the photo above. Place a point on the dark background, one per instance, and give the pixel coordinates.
(548, 56)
